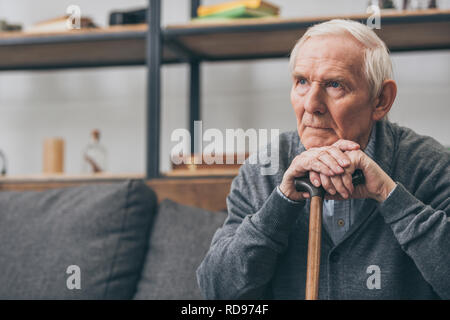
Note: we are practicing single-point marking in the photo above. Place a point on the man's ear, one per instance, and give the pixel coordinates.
(385, 100)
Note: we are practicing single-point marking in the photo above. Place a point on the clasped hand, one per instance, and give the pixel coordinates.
(332, 167)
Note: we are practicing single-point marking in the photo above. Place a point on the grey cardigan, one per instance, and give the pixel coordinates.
(399, 249)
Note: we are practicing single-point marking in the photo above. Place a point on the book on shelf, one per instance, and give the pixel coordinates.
(136, 16)
(236, 10)
(235, 13)
(60, 24)
(250, 4)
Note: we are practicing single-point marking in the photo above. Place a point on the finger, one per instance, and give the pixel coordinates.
(331, 162)
(346, 145)
(300, 168)
(305, 195)
(348, 182)
(327, 184)
(339, 186)
(360, 192)
(314, 164)
(296, 169)
(314, 177)
(307, 162)
(343, 159)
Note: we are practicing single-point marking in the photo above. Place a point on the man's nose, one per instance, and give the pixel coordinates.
(314, 101)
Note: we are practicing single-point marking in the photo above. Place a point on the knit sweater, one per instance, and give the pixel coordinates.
(398, 249)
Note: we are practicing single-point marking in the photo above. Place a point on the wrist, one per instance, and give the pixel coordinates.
(283, 190)
(286, 198)
(386, 191)
(288, 195)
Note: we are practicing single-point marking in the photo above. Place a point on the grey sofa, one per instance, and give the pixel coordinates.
(103, 241)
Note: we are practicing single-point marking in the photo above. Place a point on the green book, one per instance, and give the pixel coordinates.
(237, 13)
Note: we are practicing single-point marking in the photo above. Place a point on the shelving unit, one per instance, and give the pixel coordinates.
(194, 43)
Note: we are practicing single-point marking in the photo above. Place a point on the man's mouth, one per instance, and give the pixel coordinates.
(318, 127)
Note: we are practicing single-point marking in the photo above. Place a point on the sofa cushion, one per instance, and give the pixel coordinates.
(94, 236)
(179, 241)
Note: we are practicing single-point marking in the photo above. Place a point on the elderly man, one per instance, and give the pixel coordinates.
(386, 239)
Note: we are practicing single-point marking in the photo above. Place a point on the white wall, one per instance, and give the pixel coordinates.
(250, 94)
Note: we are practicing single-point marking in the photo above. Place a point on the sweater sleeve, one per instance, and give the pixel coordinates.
(242, 258)
(423, 232)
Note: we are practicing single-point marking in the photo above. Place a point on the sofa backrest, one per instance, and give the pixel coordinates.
(101, 241)
(180, 238)
(86, 242)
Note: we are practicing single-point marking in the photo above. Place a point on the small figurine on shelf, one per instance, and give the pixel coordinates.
(419, 4)
(432, 4)
(94, 155)
(5, 26)
(3, 167)
(382, 4)
(387, 4)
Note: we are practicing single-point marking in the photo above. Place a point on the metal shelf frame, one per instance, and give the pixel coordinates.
(155, 44)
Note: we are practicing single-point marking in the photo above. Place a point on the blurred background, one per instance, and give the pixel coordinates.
(245, 94)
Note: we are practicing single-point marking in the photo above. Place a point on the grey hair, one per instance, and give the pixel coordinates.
(378, 64)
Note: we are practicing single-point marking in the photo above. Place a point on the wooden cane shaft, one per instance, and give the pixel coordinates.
(313, 263)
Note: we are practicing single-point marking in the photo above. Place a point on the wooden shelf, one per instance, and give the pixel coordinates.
(96, 47)
(49, 178)
(179, 173)
(105, 177)
(207, 193)
(234, 40)
(273, 37)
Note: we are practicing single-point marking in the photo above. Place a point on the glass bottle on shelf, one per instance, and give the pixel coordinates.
(94, 155)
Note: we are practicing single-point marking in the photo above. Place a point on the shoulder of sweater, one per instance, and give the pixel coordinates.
(412, 146)
(420, 162)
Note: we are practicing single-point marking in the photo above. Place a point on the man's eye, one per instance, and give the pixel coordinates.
(302, 81)
(334, 84)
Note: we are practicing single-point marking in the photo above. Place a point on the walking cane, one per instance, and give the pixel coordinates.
(315, 227)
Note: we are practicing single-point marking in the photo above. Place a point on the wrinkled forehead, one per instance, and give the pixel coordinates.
(339, 53)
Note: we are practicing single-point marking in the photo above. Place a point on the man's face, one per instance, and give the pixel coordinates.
(330, 94)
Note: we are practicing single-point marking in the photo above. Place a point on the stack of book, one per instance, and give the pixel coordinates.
(60, 24)
(237, 10)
